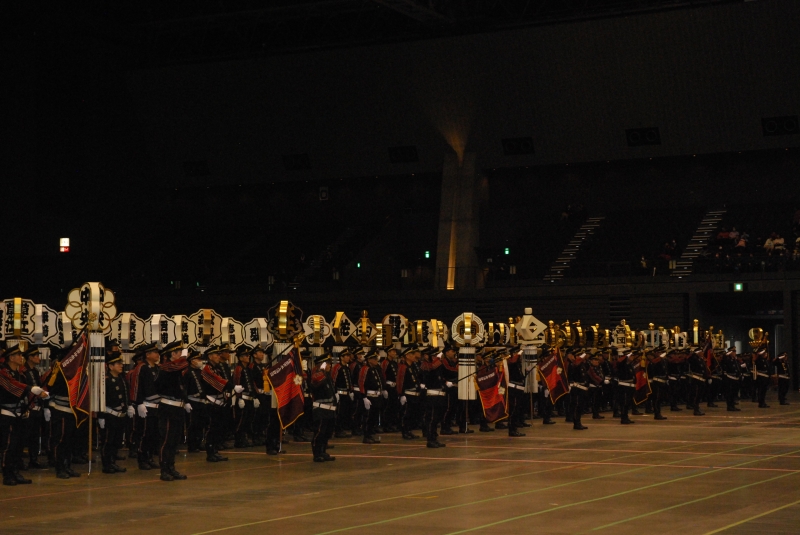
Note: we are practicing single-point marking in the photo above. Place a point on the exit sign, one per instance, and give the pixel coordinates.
(739, 286)
(63, 245)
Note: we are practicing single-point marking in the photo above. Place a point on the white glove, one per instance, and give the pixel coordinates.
(709, 381)
(141, 410)
(501, 391)
(46, 415)
(131, 411)
(101, 422)
(546, 393)
(403, 400)
(385, 394)
(188, 408)
(449, 384)
(337, 397)
(35, 390)
(352, 396)
(606, 381)
(256, 403)
(241, 403)
(238, 389)
(185, 352)
(423, 387)
(560, 370)
(323, 366)
(367, 403)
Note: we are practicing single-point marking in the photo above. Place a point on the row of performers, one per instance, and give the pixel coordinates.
(174, 395)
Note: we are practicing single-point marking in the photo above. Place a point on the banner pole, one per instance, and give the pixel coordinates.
(89, 422)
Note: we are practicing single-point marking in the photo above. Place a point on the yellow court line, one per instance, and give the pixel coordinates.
(740, 522)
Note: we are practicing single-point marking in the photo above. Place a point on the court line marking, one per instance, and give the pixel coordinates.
(600, 498)
(690, 502)
(748, 519)
(523, 493)
(348, 506)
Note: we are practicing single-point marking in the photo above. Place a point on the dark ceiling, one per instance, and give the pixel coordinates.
(158, 32)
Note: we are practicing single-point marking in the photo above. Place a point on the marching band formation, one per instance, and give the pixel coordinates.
(218, 397)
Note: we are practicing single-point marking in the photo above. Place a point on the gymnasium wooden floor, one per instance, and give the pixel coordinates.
(734, 473)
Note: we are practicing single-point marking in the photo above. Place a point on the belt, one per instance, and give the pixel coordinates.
(195, 399)
(624, 383)
(373, 393)
(514, 385)
(391, 383)
(36, 408)
(729, 376)
(436, 392)
(660, 380)
(762, 374)
(783, 376)
(150, 405)
(215, 401)
(171, 402)
(112, 412)
(326, 406)
(343, 392)
(58, 407)
(697, 377)
(672, 378)
(246, 397)
(259, 391)
(411, 393)
(576, 385)
(593, 385)
(9, 413)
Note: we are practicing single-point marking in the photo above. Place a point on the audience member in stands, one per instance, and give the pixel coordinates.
(769, 245)
(733, 235)
(778, 242)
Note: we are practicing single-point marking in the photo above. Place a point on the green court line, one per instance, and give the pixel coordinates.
(690, 502)
(744, 521)
(615, 495)
(421, 513)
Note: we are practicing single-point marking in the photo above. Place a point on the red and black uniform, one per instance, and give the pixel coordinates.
(244, 410)
(455, 412)
(62, 425)
(594, 372)
(14, 391)
(408, 392)
(343, 383)
(323, 410)
(370, 382)
(390, 417)
(217, 390)
(516, 393)
(626, 381)
(113, 423)
(435, 398)
(579, 389)
(146, 399)
(171, 412)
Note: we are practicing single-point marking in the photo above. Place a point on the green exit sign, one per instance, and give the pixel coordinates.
(739, 287)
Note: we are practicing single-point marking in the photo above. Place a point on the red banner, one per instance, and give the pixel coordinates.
(554, 375)
(287, 385)
(75, 369)
(491, 383)
(643, 389)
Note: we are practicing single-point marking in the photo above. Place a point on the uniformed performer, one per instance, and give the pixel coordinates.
(245, 402)
(226, 371)
(516, 393)
(731, 378)
(14, 391)
(112, 422)
(675, 361)
(659, 378)
(597, 380)
(714, 382)
(784, 382)
(146, 399)
(698, 374)
(626, 381)
(762, 366)
(356, 364)
(456, 413)
(172, 407)
(35, 408)
(263, 399)
(196, 398)
(324, 407)
(62, 423)
(370, 382)
(579, 386)
(343, 382)
(218, 391)
(408, 392)
(389, 419)
(435, 396)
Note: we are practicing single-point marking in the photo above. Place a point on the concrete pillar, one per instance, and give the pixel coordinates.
(456, 261)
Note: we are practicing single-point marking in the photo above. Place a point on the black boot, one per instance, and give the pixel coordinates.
(175, 474)
(165, 475)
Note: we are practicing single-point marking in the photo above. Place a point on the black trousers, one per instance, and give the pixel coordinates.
(411, 414)
(659, 393)
(516, 402)
(324, 422)
(34, 438)
(783, 388)
(244, 422)
(455, 411)
(436, 406)
(149, 440)
(62, 438)
(171, 420)
(713, 390)
(10, 431)
(696, 392)
(762, 384)
(198, 423)
(217, 427)
(730, 387)
(595, 399)
(344, 414)
(674, 393)
(545, 406)
(273, 431)
(111, 438)
(358, 413)
(625, 397)
(578, 399)
(370, 416)
(389, 416)
(261, 417)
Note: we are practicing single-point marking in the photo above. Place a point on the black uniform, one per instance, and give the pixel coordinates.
(370, 382)
(198, 418)
(171, 413)
(261, 413)
(113, 423)
(62, 426)
(33, 423)
(389, 418)
(323, 410)
(762, 366)
(245, 408)
(658, 373)
(435, 397)
(343, 383)
(674, 381)
(14, 392)
(784, 379)
(697, 375)
(731, 379)
(626, 380)
(579, 390)
(147, 396)
(455, 412)
(597, 380)
(217, 390)
(408, 392)
(516, 394)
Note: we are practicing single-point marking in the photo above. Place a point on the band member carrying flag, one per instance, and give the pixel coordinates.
(491, 381)
(642, 384)
(286, 381)
(554, 374)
